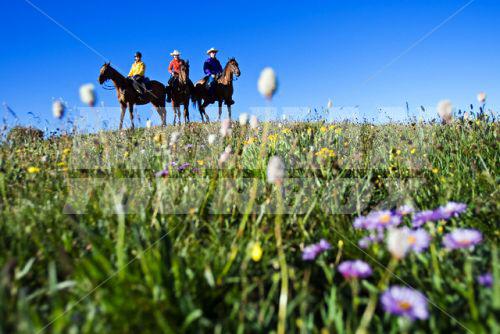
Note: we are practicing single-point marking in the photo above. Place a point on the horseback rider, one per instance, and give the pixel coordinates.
(174, 68)
(137, 72)
(213, 69)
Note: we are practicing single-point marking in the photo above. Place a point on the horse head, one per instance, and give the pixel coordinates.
(234, 67)
(104, 73)
(184, 72)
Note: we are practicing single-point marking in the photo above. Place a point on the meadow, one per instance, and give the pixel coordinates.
(192, 229)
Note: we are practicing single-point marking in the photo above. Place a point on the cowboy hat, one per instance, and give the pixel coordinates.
(212, 50)
(175, 53)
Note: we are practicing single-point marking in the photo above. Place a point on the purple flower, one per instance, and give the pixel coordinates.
(405, 210)
(355, 269)
(462, 238)
(312, 251)
(451, 209)
(162, 173)
(485, 280)
(418, 240)
(377, 220)
(183, 167)
(374, 237)
(405, 302)
(422, 217)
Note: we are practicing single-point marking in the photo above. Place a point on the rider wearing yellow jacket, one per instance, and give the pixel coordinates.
(137, 72)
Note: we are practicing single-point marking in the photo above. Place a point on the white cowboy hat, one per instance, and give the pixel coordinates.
(175, 53)
(212, 50)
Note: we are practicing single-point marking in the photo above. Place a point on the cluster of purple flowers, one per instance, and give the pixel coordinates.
(485, 280)
(378, 220)
(418, 240)
(355, 269)
(312, 251)
(451, 209)
(174, 166)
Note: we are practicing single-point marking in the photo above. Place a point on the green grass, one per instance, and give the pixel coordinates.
(180, 259)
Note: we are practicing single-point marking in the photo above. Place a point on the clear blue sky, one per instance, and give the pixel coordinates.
(320, 50)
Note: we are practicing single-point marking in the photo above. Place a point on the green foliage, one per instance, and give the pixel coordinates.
(92, 241)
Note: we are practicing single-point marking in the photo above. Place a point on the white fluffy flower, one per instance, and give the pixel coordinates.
(275, 170)
(329, 105)
(211, 138)
(243, 119)
(254, 122)
(87, 94)
(174, 137)
(58, 109)
(149, 123)
(445, 110)
(267, 83)
(224, 157)
(225, 127)
(397, 242)
(481, 97)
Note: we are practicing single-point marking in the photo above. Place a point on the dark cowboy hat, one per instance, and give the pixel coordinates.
(138, 54)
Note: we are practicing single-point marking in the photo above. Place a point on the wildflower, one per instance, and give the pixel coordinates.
(413, 150)
(273, 138)
(256, 252)
(224, 157)
(445, 110)
(435, 170)
(398, 242)
(418, 240)
(225, 127)
(148, 123)
(66, 151)
(405, 210)
(158, 138)
(267, 83)
(325, 152)
(323, 129)
(422, 217)
(174, 137)
(254, 122)
(33, 170)
(87, 94)
(329, 105)
(312, 251)
(275, 170)
(200, 162)
(481, 97)
(211, 138)
(58, 109)
(355, 269)
(243, 119)
(378, 219)
(485, 280)
(462, 238)
(340, 244)
(406, 302)
(338, 131)
(440, 229)
(451, 209)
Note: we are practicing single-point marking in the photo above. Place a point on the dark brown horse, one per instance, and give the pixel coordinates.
(223, 90)
(181, 92)
(128, 96)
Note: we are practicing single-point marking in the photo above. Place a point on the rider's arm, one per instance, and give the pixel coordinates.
(206, 68)
(171, 67)
(142, 69)
(131, 72)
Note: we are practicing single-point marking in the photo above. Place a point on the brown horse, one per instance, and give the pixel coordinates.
(128, 96)
(181, 92)
(223, 90)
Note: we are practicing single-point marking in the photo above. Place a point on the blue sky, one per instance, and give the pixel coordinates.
(320, 50)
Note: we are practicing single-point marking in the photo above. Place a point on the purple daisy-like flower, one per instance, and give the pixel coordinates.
(183, 167)
(360, 222)
(374, 237)
(355, 269)
(162, 173)
(462, 238)
(422, 217)
(382, 219)
(451, 209)
(312, 251)
(418, 240)
(406, 302)
(485, 280)
(405, 210)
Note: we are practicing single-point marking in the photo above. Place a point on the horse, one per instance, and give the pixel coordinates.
(181, 92)
(128, 96)
(223, 90)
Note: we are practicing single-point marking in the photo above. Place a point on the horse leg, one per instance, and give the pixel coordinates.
(175, 113)
(186, 112)
(161, 111)
(229, 111)
(220, 110)
(123, 107)
(131, 112)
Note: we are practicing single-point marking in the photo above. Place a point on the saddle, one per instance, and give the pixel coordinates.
(142, 86)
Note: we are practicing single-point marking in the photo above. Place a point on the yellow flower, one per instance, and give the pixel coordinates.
(323, 129)
(200, 162)
(309, 131)
(66, 151)
(286, 131)
(398, 152)
(157, 138)
(256, 252)
(338, 131)
(325, 153)
(340, 244)
(435, 170)
(273, 138)
(413, 150)
(33, 170)
(440, 229)
(332, 127)
(249, 141)
(126, 154)
(61, 164)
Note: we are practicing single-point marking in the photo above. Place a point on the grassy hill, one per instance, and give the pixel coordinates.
(95, 239)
